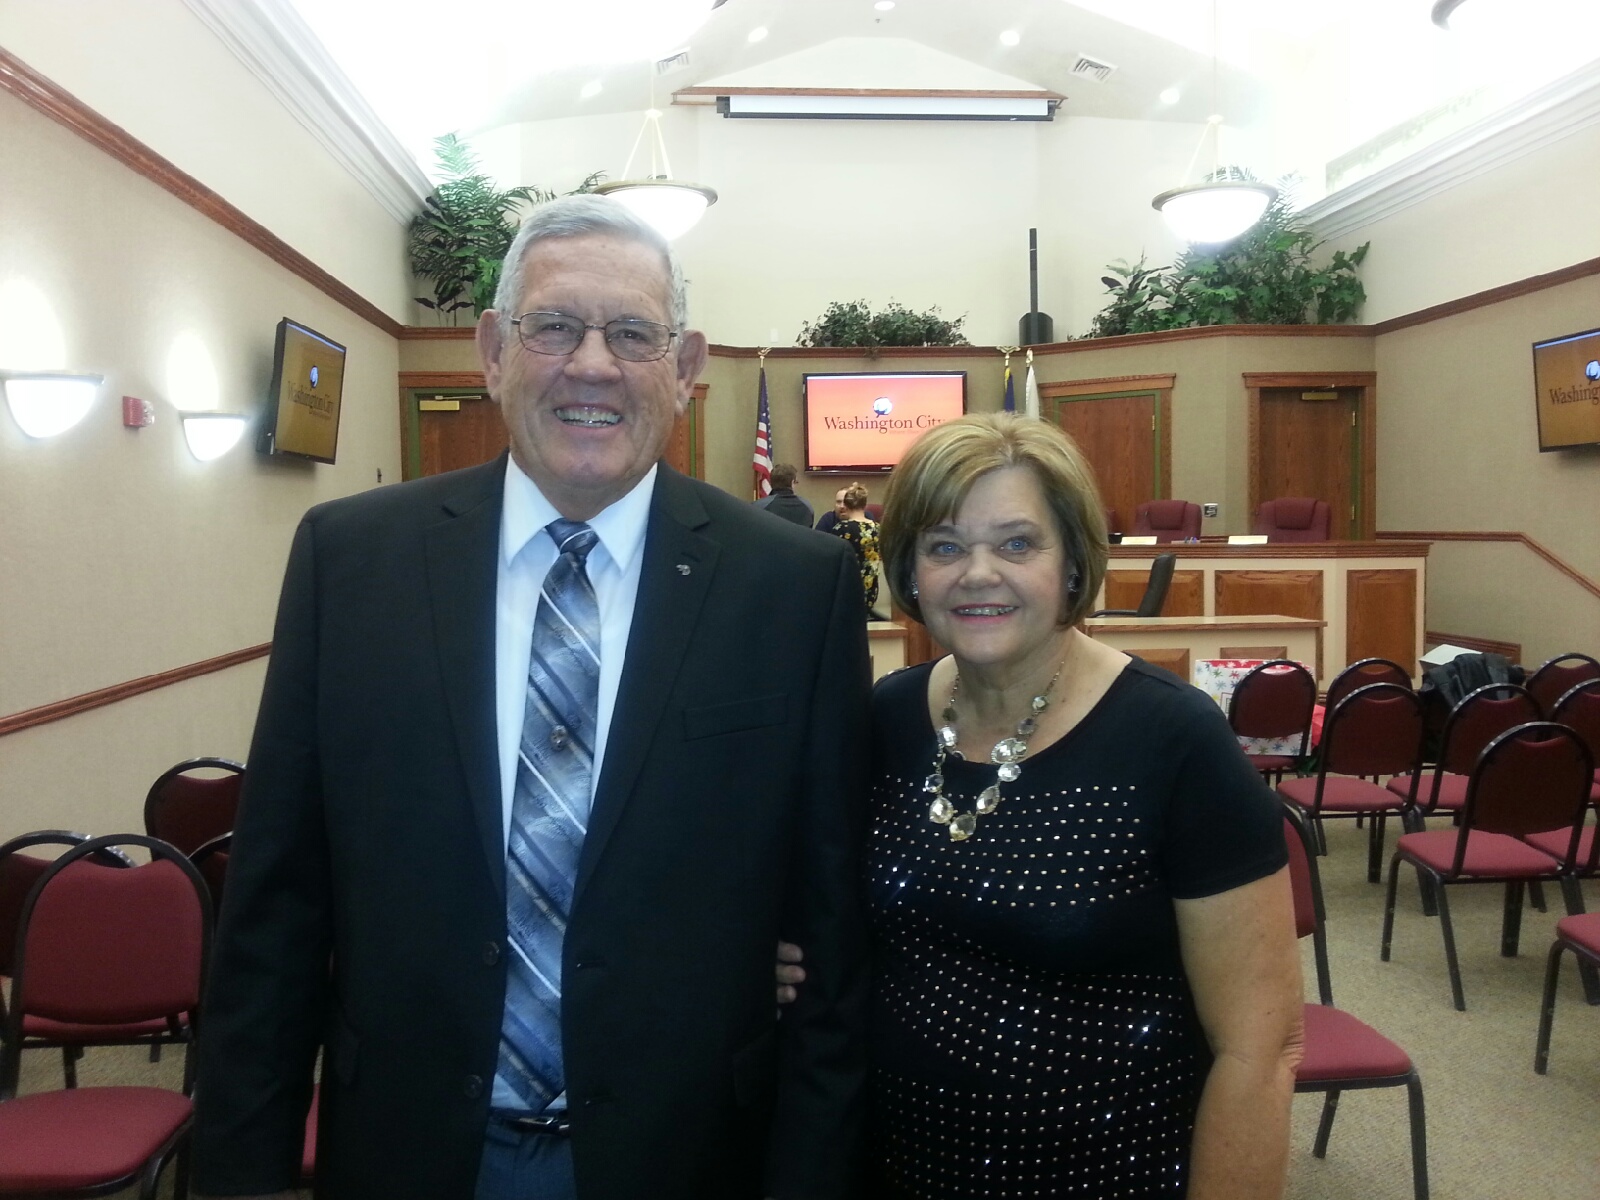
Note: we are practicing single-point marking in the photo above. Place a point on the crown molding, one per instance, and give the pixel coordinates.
(278, 48)
(1539, 119)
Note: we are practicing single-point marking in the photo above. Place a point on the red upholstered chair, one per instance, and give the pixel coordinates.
(102, 946)
(1169, 520)
(1275, 700)
(1293, 519)
(1359, 674)
(1532, 779)
(1579, 709)
(1375, 730)
(1113, 521)
(1342, 1053)
(1581, 935)
(18, 873)
(1559, 676)
(1482, 716)
(211, 860)
(193, 802)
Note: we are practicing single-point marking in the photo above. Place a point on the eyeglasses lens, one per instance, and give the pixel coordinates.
(559, 334)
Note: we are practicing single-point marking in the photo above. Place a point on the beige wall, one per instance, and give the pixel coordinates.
(154, 68)
(1459, 451)
(122, 555)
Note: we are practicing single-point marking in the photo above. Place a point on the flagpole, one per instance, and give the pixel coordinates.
(1010, 404)
(762, 460)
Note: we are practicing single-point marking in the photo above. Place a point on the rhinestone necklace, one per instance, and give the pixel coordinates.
(1007, 756)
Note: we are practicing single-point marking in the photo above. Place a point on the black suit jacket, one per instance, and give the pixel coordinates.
(365, 908)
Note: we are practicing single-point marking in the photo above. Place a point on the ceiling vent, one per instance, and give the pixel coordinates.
(672, 63)
(1092, 69)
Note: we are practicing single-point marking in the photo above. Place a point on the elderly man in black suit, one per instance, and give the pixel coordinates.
(543, 769)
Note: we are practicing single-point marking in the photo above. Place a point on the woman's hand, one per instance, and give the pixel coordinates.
(789, 971)
(1243, 966)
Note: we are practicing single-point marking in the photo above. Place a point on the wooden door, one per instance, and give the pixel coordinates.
(1119, 437)
(465, 429)
(1310, 446)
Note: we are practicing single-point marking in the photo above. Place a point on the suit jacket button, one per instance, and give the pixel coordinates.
(473, 1087)
(491, 954)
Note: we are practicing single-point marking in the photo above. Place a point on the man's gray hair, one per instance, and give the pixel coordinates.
(582, 215)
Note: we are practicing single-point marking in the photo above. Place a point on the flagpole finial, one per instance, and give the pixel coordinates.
(762, 352)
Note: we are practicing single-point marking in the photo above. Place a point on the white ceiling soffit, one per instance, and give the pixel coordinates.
(279, 49)
(1537, 120)
(874, 78)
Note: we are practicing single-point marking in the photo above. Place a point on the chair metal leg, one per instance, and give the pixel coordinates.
(1572, 894)
(1419, 1137)
(1450, 950)
(1511, 921)
(1375, 848)
(1322, 837)
(1430, 906)
(1547, 1008)
(1388, 905)
(1330, 1108)
(69, 1065)
(1536, 896)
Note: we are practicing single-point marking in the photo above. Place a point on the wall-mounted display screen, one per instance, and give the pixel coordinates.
(865, 422)
(302, 415)
(1566, 382)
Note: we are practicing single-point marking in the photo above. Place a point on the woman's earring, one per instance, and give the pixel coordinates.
(1074, 583)
(913, 589)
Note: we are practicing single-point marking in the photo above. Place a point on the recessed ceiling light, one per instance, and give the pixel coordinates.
(1171, 96)
(591, 89)
(884, 5)
(1010, 37)
(758, 34)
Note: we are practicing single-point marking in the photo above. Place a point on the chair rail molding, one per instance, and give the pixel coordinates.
(1496, 535)
(276, 45)
(1539, 119)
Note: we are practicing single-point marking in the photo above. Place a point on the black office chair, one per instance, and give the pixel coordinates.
(1155, 592)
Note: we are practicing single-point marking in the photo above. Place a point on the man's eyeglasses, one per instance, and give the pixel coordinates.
(629, 339)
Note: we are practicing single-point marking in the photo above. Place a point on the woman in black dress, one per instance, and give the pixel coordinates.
(1086, 975)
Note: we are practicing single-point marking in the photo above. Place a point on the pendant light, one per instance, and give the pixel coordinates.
(1219, 209)
(671, 206)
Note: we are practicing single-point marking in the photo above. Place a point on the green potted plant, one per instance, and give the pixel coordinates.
(853, 323)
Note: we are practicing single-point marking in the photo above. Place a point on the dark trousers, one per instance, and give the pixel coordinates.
(525, 1166)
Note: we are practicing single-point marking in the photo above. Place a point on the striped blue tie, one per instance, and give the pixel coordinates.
(549, 813)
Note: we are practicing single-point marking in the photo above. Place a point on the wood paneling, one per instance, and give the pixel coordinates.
(1260, 593)
(1380, 616)
(472, 434)
(1308, 448)
(1512, 650)
(73, 705)
(61, 106)
(1280, 550)
(1262, 444)
(1186, 597)
(1176, 661)
(1268, 652)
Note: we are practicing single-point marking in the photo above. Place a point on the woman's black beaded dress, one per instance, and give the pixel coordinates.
(1034, 1035)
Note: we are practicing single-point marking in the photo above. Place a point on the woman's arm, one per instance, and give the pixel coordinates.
(1243, 966)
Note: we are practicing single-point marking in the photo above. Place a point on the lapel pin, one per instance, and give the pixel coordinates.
(683, 568)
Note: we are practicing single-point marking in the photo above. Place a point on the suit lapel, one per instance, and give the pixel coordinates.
(463, 552)
(664, 618)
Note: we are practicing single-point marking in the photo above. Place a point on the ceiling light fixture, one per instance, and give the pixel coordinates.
(671, 206)
(45, 403)
(1171, 96)
(1442, 10)
(1220, 208)
(1010, 37)
(212, 434)
(758, 34)
(884, 5)
(591, 89)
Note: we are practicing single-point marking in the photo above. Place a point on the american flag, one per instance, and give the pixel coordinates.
(763, 457)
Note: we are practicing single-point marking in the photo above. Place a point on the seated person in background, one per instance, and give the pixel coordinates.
(829, 521)
(861, 531)
(783, 502)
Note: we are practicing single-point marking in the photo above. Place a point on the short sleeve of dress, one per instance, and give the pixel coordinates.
(1223, 825)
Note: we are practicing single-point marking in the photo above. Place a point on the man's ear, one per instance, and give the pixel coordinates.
(490, 344)
(692, 354)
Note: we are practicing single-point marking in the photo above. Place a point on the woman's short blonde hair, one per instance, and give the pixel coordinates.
(936, 473)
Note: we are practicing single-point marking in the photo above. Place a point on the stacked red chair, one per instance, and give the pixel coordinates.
(1275, 700)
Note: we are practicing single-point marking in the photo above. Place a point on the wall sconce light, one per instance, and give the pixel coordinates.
(212, 434)
(45, 403)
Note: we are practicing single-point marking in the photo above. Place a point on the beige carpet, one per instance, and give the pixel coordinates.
(1496, 1131)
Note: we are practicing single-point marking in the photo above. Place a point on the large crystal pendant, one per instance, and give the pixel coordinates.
(1008, 750)
(961, 828)
(1040, 703)
(933, 783)
(989, 799)
(947, 735)
(1008, 772)
(940, 811)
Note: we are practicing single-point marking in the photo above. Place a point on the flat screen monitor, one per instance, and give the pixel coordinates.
(1566, 382)
(862, 422)
(302, 417)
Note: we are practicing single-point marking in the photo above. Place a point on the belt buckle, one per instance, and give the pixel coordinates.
(550, 1124)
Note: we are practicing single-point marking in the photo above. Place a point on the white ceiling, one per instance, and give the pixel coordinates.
(1313, 79)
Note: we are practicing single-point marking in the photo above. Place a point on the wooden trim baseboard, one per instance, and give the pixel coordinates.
(33, 717)
(1497, 535)
(53, 101)
(1494, 295)
(1512, 650)
(441, 379)
(441, 333)
(1111, 383)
